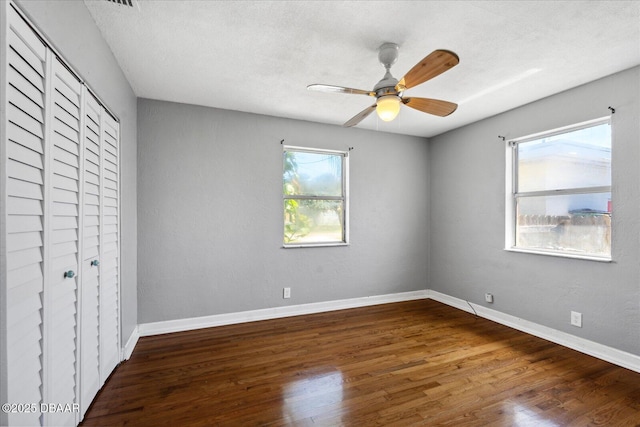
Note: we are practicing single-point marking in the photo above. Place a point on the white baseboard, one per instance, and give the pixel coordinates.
(178, 325)
(131, 344)
(609, 354)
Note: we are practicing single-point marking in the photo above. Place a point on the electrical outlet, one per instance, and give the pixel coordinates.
(576, 319)
(488, 297)
(286, 293)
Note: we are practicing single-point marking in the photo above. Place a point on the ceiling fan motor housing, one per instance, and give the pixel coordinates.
(386, 86)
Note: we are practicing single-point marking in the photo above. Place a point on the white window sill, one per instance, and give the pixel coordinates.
(560, 254)
(314, 245)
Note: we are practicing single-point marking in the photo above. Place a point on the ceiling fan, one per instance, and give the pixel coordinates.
(388, 91)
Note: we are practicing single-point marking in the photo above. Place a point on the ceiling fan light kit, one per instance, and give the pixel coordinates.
(388, 107)
(388, 91)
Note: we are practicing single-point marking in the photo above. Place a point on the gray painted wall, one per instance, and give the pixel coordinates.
(210, 216)
(467, 220)
(72, 31)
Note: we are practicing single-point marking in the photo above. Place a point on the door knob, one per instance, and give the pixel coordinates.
(69, 274)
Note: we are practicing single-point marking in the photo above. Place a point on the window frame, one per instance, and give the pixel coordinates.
(344, 198)
(512, 194)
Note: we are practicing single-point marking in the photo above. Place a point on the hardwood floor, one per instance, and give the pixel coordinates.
(410, 363)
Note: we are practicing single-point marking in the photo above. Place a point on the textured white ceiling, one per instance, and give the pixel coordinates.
(259, 56)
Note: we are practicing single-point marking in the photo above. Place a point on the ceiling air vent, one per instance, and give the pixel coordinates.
(128, 3)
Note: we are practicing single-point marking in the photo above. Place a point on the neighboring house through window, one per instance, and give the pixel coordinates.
(559, 192)
(315, 202)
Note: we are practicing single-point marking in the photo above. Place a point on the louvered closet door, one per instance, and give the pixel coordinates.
(61, 289)
(25, 217)
(109, 265)
(61, 233)
(90, 343)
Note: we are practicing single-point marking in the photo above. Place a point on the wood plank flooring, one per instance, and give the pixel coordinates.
(409, 363)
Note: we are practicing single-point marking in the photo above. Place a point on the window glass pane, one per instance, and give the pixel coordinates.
(313, 221)
(312, 174)
(577, 159)
(577, 223)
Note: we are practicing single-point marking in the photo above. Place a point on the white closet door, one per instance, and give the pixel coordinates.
(90, 343)
(61, 233)
(25, 217)
(61, 288)
(109, 265)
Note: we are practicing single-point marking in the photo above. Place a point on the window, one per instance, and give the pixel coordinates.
(559, 192)
(314, 197)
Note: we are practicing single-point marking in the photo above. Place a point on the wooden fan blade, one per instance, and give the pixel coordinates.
(436, 107)
(434, 64)
(340, 89)
(360, 116)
